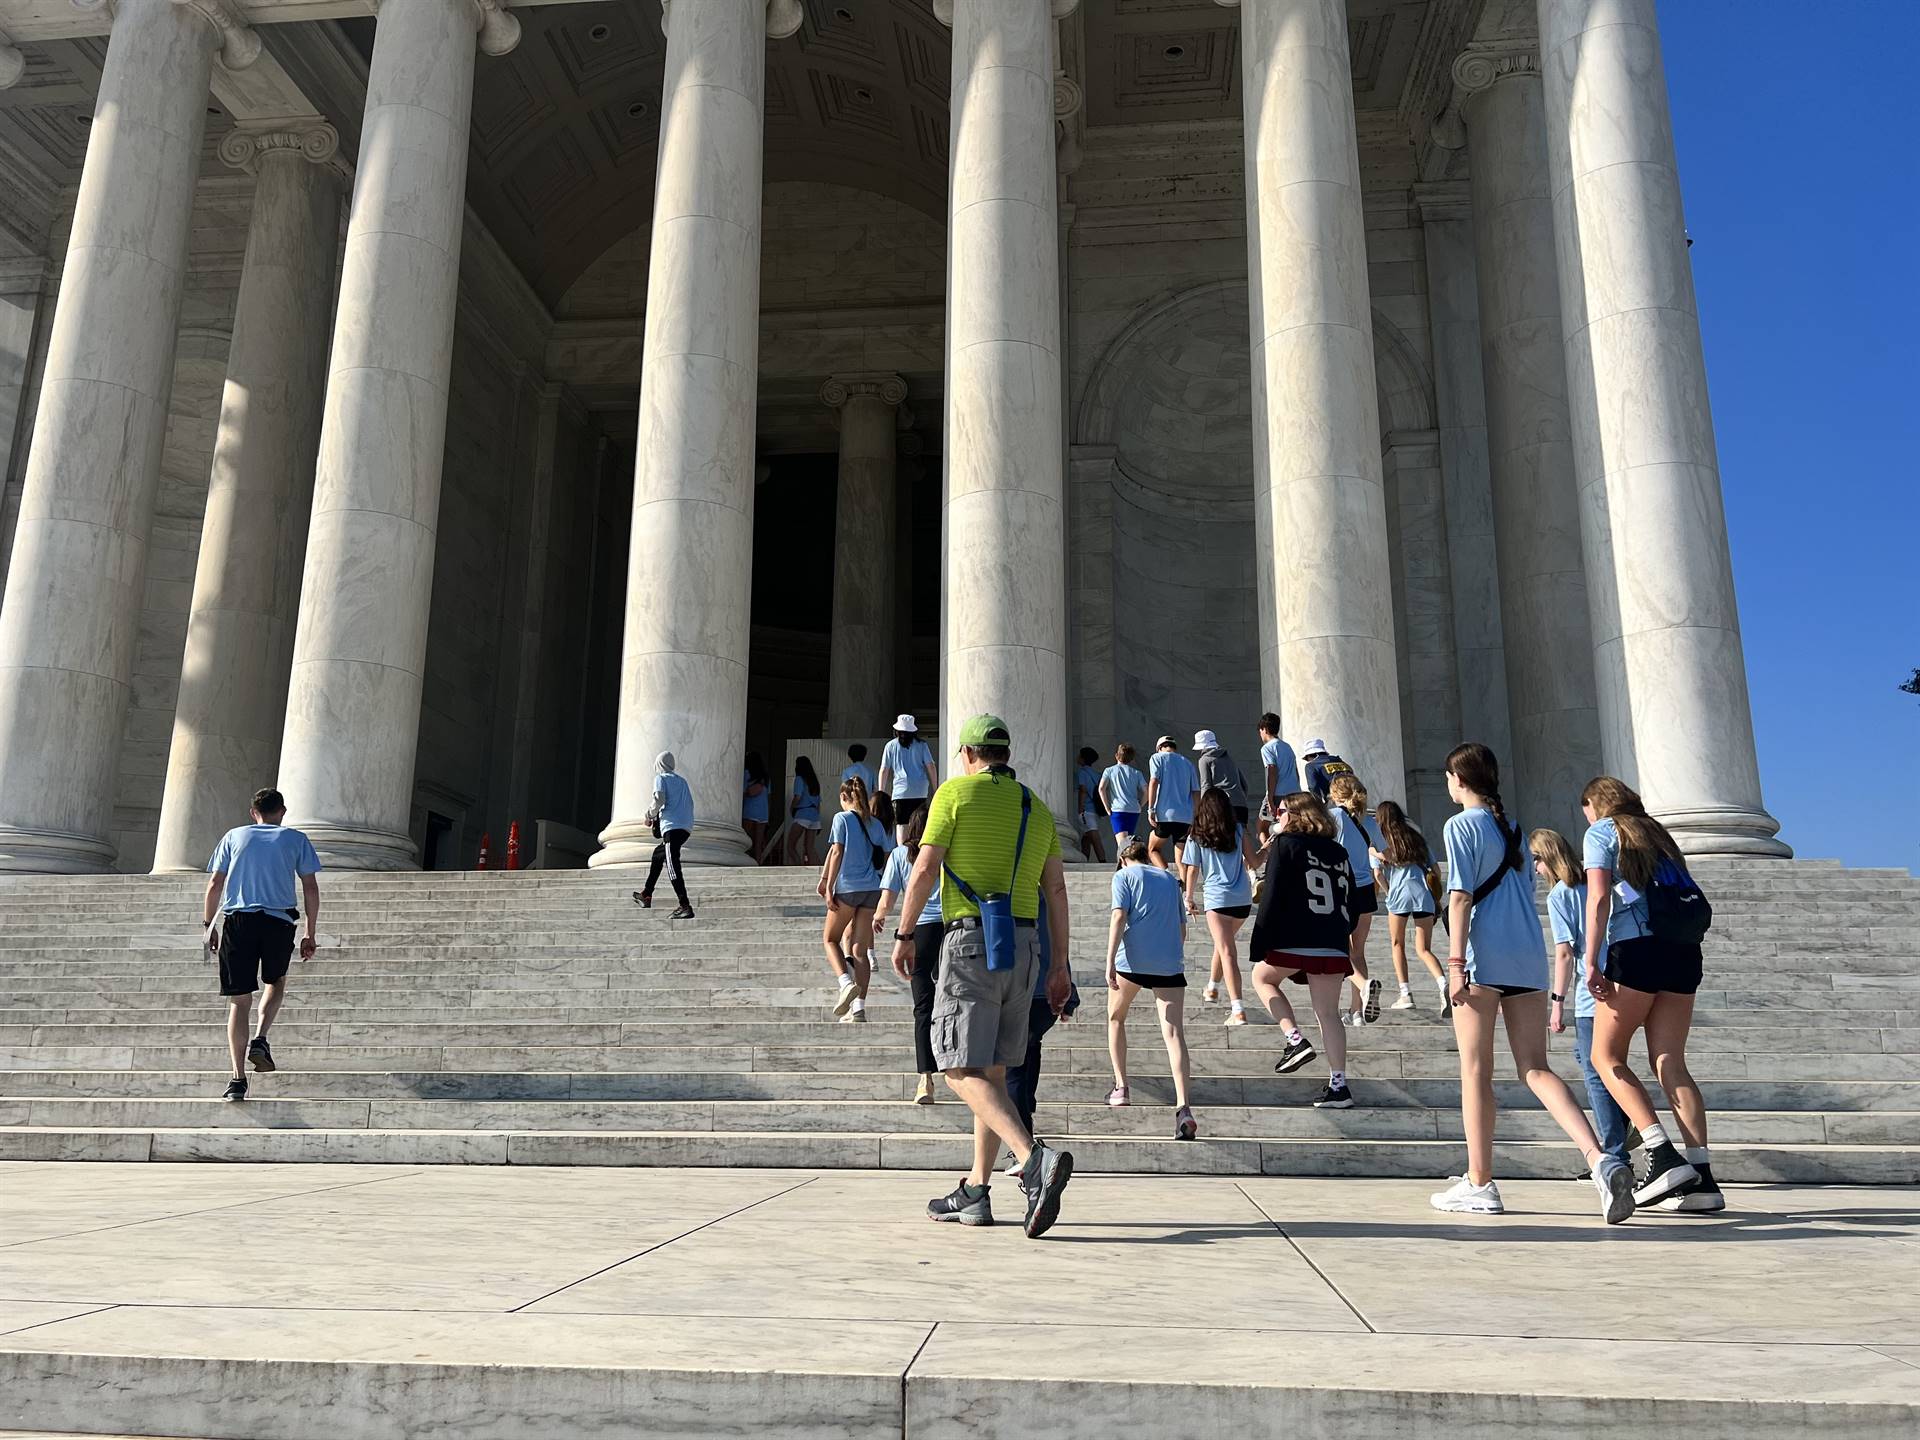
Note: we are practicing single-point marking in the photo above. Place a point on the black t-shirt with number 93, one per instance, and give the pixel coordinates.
(1307, 902)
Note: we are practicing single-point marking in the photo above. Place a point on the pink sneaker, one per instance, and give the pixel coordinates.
(1117, 1096)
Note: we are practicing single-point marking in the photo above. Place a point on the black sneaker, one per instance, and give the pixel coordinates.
(1666, 1171)
(1298, 1052)
(1699, 1198)
(1047, 1173)
(260, 1055)
(643, 898)
(1332, 1099)
(969, 1204)
(685, 912)
(236, 1089)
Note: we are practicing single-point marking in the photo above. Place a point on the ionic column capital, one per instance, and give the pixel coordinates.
(239, 45)
(1483, 67)
(316, 142)
(884, 386)
(13, 64)
(498, 27)
(943, 10)
(784, 17)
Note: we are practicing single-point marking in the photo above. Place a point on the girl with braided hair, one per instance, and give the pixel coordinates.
(1497, 967)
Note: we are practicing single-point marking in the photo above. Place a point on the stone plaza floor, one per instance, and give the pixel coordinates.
(314, 1302)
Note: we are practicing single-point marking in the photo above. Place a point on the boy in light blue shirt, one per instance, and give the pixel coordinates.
(1280, 771)
(250, 915)
(672, 819)
(1173, 784)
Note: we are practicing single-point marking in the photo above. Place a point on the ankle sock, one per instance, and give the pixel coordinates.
(1239, 1006)
(1293, 1033)
(1654, 1136)
(1337, 1078)
(1697, 1155)
(858, 1005)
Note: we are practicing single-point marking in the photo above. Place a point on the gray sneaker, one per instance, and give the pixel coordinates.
(968, 1204)
(1047, 1173)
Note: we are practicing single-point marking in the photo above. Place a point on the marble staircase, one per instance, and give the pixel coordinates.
(542, 1019)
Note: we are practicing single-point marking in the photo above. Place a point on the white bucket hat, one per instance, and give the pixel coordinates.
(905, 724)
(1205, 740)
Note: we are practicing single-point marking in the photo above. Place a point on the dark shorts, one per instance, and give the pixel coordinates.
(1413, 914)
(1156, 982)
(1365, 901)
(1298, 967)
(1174, 830)
(1507, 992)
(1654, 966)
(1232, 912)
(859, 899)
(905, 810)
(254, 946)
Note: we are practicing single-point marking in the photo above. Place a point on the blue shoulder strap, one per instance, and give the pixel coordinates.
(1026, 809)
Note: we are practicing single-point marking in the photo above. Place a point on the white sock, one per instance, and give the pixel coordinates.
(1654, 1136)
(1405, 988)
(846, 982)
(1293, 1033)
(1337, 1078)
(1238, 1006)
(1697, 1155)
(858, 1004)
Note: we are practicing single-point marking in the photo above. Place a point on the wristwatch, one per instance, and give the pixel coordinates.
(1557, 999)
(903, 937)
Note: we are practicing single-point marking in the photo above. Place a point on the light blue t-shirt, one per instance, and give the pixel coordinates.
(1088, 779)
(1407, 892)
(1601, 851)
(895, 877)
(806, 805)
(1225, 879)
(856, 835)
(1126, 789)
(752, 807)
(1178, 783)
(1277, 753)
(260, 863)
(909, 766)
(1357, 835)
(862, 772)
(675, 799)
(1567, 914)
(1154, 937)
(1504, 942)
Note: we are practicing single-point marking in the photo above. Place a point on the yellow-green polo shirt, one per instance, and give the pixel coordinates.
(976, 818)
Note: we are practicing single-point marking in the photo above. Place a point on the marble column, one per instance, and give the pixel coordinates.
(74, 587)
(23, 287)
(1453, 313)
(13, 64)
(353, 700)
(233, 682)
(862, 693)
(1003, 610)
(1675, 720)
(1323, 556)
(1536, 506)
(683, 664)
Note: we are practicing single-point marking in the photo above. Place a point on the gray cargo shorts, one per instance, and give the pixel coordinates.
(980, 1015)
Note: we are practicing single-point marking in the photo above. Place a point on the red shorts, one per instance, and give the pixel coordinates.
(1300, 966)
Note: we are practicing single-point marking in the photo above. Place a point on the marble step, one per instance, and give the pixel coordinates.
(1356, 1158)
(1054, 1117)
(720, 1029)
(879, 1055)
(1852, 1096)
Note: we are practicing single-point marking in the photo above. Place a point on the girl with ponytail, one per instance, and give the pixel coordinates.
(1497, 967)
(1405, 866)
(1643, 980)
(1354, 829)
(850, 884)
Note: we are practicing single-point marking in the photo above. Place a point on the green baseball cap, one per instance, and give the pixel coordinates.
(985, 730)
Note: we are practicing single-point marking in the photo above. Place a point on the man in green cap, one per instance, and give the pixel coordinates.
(990, 838)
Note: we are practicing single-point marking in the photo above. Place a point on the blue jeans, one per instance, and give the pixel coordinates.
(1609, 1120)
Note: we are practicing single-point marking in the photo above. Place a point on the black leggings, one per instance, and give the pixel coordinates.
(926, 975)
(667, 853)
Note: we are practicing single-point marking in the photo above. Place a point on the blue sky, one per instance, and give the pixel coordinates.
(1803, 198)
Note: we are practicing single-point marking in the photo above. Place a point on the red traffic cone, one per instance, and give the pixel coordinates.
(485, 841)
(513, 846)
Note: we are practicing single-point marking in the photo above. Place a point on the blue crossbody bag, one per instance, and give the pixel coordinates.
(996, 910)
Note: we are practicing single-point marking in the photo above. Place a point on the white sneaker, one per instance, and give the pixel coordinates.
(1211, 994)
(1466, 1198)
(1235, 1017)
(1405, 1002)
(1614, 1181)
(1351, 1019)
(844, 1001)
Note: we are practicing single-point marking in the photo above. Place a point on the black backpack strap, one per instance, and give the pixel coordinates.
(1512, 859)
